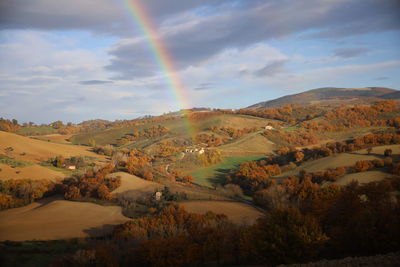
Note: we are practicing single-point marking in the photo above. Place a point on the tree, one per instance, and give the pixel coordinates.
(369, 150)
(388, 152)
(103, 192)
(287, 236)
(57, 124)
(72, 193)
(363, 165)
(299, 156)
(148, 175)
(188, 179)
(396, 169)
(92, 142)
(59, 161)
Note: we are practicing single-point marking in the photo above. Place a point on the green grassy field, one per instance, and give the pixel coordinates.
(214, 174)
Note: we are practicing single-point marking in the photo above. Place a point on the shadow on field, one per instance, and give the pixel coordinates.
(47, 200)
(395, 157)
(366, 154)
(220, 177)
(100, 232)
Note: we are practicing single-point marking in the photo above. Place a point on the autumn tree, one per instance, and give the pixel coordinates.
(73, 193)
(287, 236)
(188, 179)
(299, 156)
(148, 175)
(363, 165)
(9, 125)
(210, 157)
(388, 152)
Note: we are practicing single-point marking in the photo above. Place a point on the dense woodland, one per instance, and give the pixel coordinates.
(319, 226)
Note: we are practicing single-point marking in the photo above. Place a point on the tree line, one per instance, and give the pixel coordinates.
(254, 175)
(325, 223)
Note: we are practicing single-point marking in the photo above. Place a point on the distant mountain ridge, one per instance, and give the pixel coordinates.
(332, 95)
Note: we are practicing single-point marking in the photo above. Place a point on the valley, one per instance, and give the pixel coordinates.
(236, 170)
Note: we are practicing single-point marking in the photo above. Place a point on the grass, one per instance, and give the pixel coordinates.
(215, 174)
(351, 133)
(37, 130)
(35, 253)
(290, 129)
(178, 128)
(341, 160)
(67, 172)
(14, 162)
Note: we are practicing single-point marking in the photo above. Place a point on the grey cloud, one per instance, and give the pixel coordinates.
(259, 21)
(204, 86)
(350, 52)
(101, 16)
(94, 82)
(381, 78)
(227, 24)
(271, 69)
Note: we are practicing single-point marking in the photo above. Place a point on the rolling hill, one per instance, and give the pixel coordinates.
(332, 95)
(32, 150)
(20, 157)
(55, 218)
(177, 129)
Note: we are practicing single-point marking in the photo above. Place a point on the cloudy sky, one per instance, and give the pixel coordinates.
(84, 59)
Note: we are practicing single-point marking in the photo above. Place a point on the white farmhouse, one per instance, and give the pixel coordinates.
(269, 127)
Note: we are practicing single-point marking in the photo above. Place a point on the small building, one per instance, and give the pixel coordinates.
(158, 196)
(71, 167)
(269, 127)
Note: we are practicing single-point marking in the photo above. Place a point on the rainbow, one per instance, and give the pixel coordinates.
(162, 57)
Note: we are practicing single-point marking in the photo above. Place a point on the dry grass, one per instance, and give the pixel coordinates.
(28, 149)
(363, 177)
(132, 183)
(251, 144)
(238, 212)
(56, 138)
(243, 121)
(134, 187)
(52, 219)
(341, 160)
(34, 172)
(379, 150)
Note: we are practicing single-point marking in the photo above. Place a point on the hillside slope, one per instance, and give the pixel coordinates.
(332, 95)
(51, 219)
(177, 128)
(34, 172)
(32, 150)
